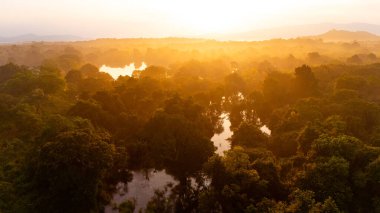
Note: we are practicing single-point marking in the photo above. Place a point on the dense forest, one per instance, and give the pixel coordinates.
(70, 133)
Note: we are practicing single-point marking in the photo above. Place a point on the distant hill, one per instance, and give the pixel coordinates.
(346, 32)
(346, 36)
(295, 31)
(33, 37)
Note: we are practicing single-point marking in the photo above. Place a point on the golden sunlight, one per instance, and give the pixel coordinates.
(189, 106)
(203, 17)
(115, 72)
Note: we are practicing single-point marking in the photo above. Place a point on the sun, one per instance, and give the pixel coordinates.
(203, 17)
(224, 16)
(220, 19)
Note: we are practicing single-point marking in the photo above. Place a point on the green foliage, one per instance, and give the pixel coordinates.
(154, 72)
(305, 82)
(341, 146)
(127, 206)
(91, 110)
(66, 172)
(177, 144)
(160, 203)
(249, 135)
(235, 181)
(67, 141)
(277, 89)
(329, 178)
(284, 145)
(8, 71)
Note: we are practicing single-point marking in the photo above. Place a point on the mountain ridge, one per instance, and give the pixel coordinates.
(30, 37)
(295, 31)
(346, 36)
(324, 31)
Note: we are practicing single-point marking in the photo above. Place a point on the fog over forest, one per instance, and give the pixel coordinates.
(163, 107)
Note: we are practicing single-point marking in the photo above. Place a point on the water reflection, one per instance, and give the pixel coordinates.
(143, 184)
(115, 72)
(221, 140)
(265, 129)
(141, 188)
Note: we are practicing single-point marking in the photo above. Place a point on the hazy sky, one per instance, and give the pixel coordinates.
(151, 18)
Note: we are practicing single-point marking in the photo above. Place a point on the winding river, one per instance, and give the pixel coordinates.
(144, 183)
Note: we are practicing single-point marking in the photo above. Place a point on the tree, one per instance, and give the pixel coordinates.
(154, 72)
(352, 83)
(234, 182)
(93, 111)
(373, 173)
(343, 146)
(177, 144)
(160, 202)
(284, 144)
(329, 178)
(89, 71)
(73, 77)
(306, 84)
(303, 201)
(234, 84)
(277, 89)
(127, 206)
(249, 135)
(67, 172)
(7, 71)
(50, 81)
(21, 83)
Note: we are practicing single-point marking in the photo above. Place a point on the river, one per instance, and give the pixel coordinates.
(221, 140)
(144, 183)
(127, 70)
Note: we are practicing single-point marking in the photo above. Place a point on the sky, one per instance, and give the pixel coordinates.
(162, 18)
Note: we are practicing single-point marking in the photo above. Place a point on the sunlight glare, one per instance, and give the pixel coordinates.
(115, 72)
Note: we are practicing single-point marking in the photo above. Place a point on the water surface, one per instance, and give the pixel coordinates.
(115, 72)
(144, 183)
(141, 188)
(221, 140)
